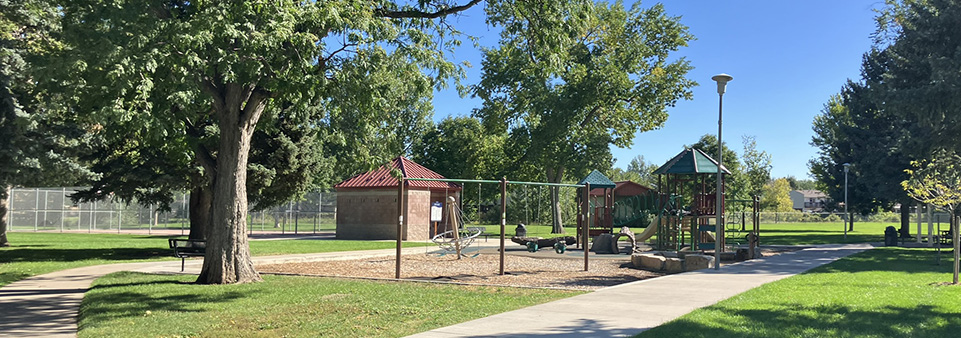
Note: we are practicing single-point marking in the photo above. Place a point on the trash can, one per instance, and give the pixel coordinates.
(890, 236)
(520, 231)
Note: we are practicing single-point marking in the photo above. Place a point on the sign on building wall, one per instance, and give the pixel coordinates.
(436, 211)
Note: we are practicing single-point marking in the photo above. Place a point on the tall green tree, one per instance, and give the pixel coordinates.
(757, 167)
(735, 182)
(644, 171)
(162, 66)
(570, 79)
(920, 80)
(854, 129)
(27, 32)
(460, 147)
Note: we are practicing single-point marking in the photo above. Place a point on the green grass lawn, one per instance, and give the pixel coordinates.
(771, 233)
(821, 233)
(39, 253)
(128, 304)
(884, 292)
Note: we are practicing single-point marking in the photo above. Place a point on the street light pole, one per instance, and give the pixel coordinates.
(722, 80)
(847, 218)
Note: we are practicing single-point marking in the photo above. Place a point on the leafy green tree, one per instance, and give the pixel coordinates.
(920, 77)
(735, 182)
(460, 147)
(644, 171)
(570, 79)
(161, 67)
(852, 128)
(938, 182)
(917, 81)
(757, 167)
(802, 184)
(27, 30)
(776, 196)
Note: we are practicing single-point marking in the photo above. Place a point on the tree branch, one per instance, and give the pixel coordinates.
(381, 12)
(212, 89)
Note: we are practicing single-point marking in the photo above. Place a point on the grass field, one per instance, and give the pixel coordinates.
(884, 292)
(130, 304)
(771, 233)
(38, 253)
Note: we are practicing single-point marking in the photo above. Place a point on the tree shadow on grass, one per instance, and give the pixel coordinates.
(796, 320)
(72, 255)
(816, 239)
(100, 306)
(917, 260)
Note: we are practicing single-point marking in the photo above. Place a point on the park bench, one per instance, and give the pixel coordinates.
(184, 248)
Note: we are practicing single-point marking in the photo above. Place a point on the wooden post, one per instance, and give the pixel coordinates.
(452, 219)
(400, 224)
(503, 220)
(587, 222)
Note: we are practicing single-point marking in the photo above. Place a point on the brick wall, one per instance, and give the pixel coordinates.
(372, 214)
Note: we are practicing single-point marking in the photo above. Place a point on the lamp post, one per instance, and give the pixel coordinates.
(722, 80)
(847, 218)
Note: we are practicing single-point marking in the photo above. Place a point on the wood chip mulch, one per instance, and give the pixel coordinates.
(520, 271)
(539, 270)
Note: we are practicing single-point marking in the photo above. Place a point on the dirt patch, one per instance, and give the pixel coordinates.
(520, 271)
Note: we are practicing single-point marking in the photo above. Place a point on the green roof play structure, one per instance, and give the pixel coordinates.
(679, 213)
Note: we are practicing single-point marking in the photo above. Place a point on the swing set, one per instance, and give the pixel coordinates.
(462, 235)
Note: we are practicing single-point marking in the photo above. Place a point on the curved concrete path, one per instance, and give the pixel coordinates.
(47, 305)
(628, 309)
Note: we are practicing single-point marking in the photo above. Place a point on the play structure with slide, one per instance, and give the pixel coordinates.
(679, 214)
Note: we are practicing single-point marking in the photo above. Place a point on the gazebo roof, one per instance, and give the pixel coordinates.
(691, 162)
(597, 180)
(382, 178)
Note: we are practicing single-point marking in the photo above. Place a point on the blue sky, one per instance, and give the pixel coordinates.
(787, 58)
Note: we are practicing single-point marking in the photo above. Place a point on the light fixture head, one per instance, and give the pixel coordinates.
(722, 80)
(846, 166)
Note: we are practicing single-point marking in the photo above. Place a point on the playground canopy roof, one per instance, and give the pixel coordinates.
(382, 178)
(690, 161)
(597, 180)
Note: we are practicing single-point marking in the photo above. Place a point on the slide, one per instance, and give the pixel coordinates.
(647, 233)
(652, 229)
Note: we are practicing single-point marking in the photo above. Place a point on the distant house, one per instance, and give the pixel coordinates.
(808, 200)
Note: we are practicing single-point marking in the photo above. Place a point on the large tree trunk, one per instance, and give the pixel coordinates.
(227, 259)
(201, 198)
(905, 230)
(4, 195)
(555, 175)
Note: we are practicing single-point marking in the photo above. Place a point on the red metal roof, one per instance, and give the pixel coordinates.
(381, 177)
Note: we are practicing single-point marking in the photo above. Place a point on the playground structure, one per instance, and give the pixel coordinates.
(681, 225)
(679, 215)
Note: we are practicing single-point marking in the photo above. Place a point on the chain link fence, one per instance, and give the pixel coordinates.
(51, 209)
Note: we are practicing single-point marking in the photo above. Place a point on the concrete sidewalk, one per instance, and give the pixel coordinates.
(48, 305)
(628, 309)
